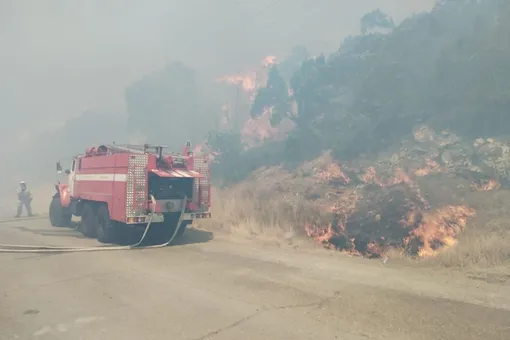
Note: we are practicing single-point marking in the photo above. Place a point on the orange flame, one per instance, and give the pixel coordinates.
(487, 185)
(430, 232)
(333, 172)
(259, 129)
(437, 230)
(400, 177)
(430, 167)
(427, 231)
(251, 81)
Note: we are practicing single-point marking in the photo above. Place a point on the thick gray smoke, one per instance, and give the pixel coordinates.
(60, 58)
(63, 58)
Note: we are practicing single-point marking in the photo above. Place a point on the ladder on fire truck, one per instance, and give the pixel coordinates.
(140, 149)
(129, 148)
(203, 186)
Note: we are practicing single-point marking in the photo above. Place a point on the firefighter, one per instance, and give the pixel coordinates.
(24, 199)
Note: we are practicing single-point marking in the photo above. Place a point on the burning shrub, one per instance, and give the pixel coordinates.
(387, 211)
(432, 231)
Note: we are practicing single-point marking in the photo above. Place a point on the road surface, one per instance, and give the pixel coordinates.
(211, 288)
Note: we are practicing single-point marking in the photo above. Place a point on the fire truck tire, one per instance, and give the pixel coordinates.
(59, 216)
(88, 225)
(106, 229)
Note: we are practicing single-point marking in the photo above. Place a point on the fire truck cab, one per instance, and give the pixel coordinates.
(119, 186)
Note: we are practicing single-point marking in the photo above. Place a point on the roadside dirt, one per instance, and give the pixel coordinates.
(207, 287)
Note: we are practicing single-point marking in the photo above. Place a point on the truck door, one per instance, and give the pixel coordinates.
(71, 178)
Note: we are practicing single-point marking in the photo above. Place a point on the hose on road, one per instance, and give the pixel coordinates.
(11, 248)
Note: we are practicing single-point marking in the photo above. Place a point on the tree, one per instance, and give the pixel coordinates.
(447, 68)
(376, 20)
(292, 63)
(274, 96)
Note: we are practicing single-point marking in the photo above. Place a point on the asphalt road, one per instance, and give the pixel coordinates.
(216, 289)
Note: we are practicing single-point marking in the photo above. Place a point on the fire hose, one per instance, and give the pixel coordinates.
(11, 248)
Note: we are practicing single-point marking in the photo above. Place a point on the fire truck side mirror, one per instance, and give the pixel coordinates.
(59, 168)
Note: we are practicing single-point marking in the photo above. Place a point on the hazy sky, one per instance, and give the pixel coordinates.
(61, 57)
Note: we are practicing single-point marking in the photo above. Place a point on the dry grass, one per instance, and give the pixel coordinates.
(486, 241)
(477, 250)
(254, 213)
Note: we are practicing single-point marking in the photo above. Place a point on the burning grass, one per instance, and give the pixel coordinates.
(440, 218)
(486, 240)
(371, 222)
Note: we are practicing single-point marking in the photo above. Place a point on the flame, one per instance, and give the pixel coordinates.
(254, 130)
(333, 172)
(344, 207)
(269, 60)
(486, 185)
(427, 231)
(400, 177)
(258, 129)
(333, 235)
(247, 81)
(321, 235)
(370, 177)
(437, 230)
(251, 81)
(430, 167)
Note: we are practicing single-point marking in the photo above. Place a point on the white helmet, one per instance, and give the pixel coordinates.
(22, 182)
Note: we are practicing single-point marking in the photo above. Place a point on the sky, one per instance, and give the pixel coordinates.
(59, 58)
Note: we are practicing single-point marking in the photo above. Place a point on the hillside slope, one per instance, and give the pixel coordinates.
(415, 120)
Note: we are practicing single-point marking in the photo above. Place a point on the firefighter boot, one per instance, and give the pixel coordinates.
(20, 209)
(28, 206)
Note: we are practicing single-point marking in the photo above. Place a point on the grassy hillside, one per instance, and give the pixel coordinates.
(414, 119)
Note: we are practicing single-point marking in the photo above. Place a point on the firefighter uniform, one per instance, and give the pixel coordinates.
(24, 199)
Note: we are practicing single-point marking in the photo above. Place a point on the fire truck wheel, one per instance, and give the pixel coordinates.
(59, 216)
(105, 226)
(88, 220)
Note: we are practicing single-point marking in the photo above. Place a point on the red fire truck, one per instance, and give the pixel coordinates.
(119, 186)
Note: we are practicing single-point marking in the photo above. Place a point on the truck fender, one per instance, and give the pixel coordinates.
(64, 193)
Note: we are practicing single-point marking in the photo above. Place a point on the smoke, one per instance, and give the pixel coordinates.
(63, 58)
(60, 58)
